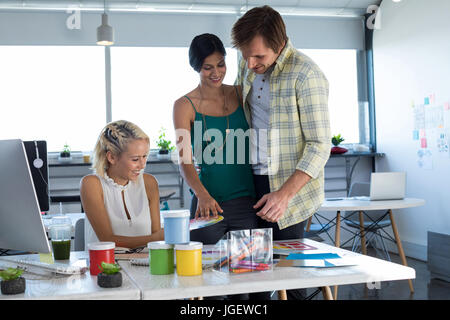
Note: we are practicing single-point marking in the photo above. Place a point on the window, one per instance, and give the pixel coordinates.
(340, 68)
(57, 93)
(145, 82)
(53, 93)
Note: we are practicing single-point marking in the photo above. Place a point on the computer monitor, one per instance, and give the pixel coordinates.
(21, 225)
(39, 170)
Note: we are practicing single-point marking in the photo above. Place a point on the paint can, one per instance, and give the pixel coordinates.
(189, 258)
(176, 226)
(161, 257)
(100, 252)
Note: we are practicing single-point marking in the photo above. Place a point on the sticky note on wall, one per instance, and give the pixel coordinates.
(423, 142)
(432, 100)
(415, 134)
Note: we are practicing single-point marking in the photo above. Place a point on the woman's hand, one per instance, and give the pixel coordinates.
(207, 207)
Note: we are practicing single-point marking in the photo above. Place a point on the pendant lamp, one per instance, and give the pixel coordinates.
(105, 33)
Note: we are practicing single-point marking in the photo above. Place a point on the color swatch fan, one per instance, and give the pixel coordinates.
(197, 224)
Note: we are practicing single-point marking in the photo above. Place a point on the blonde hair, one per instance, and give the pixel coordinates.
(114, 137)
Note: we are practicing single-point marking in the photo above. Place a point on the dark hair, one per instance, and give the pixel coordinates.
(203, 46)
(263, 21)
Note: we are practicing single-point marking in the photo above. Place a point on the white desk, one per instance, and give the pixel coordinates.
(74, 286)
(213, 283)
(349, 204)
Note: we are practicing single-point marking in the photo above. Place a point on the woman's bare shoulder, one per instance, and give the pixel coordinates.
(91, 181)
(150, 180)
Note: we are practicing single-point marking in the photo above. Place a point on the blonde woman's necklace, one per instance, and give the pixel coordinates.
(227, 130)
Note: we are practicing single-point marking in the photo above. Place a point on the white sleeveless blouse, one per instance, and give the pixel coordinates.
(136, 202)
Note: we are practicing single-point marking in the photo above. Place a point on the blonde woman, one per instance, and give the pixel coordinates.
(121, 202)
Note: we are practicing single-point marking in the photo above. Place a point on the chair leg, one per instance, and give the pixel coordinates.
(363, 237)
(354, 243)
(386, 252)
(308, 224)
(337, 236)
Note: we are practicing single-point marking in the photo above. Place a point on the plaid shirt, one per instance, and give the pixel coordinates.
(299, 130)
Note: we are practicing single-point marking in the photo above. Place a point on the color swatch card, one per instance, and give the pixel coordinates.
(285, 247)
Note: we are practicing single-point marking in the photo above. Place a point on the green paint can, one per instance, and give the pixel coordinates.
(161, 257)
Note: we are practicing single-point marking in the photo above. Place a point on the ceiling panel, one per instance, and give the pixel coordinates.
(306, 7)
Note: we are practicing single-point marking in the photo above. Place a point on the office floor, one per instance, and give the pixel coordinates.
(425, 288)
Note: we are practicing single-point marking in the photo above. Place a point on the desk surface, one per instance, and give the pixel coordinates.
(78, 161)
(353, 204)
(73, 287)
(213, 283)
(352, 153)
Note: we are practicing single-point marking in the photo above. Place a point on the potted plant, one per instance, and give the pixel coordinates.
(164, 145)
(336, 140)
(64, 155)
(110, 276)
(12, 282)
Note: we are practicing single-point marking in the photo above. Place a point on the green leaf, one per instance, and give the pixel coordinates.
(337, 139)
(162, 143)
(110, 268)
(10, 274)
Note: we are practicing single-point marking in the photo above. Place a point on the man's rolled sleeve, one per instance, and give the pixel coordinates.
(312, 99)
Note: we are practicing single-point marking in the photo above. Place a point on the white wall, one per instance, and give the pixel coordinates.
(411, 61)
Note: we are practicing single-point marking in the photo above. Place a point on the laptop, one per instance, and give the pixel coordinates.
(387, 185)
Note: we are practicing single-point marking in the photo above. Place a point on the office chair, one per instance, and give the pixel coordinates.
(374, 222)
(79, 235)
(313, 230)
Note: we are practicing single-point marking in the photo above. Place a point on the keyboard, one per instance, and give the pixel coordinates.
(34, 266)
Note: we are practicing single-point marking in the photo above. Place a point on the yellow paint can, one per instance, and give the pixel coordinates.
(189, 258)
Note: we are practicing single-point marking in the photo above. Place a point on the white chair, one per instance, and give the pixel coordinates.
(79, 235)
(374, 222)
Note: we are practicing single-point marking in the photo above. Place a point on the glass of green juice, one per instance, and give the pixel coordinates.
(60, 233)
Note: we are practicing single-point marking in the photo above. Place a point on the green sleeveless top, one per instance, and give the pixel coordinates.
(224, 159)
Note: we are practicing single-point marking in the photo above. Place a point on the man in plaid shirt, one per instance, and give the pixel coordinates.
(285, 98)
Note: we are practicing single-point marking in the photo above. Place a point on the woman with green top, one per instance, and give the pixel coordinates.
(211, 126)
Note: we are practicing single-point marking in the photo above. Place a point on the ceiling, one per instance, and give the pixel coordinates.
(337, 8)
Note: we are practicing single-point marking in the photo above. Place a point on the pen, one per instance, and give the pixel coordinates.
(253, 263)
(241, 270)
(257, 268)
(221, 262)
(239, 256)
(246, 251)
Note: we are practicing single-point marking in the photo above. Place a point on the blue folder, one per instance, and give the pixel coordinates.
(312, 256)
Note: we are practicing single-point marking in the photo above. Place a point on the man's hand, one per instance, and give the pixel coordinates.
(275, 204)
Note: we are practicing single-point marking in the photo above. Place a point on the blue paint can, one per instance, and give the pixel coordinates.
(176, 226)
